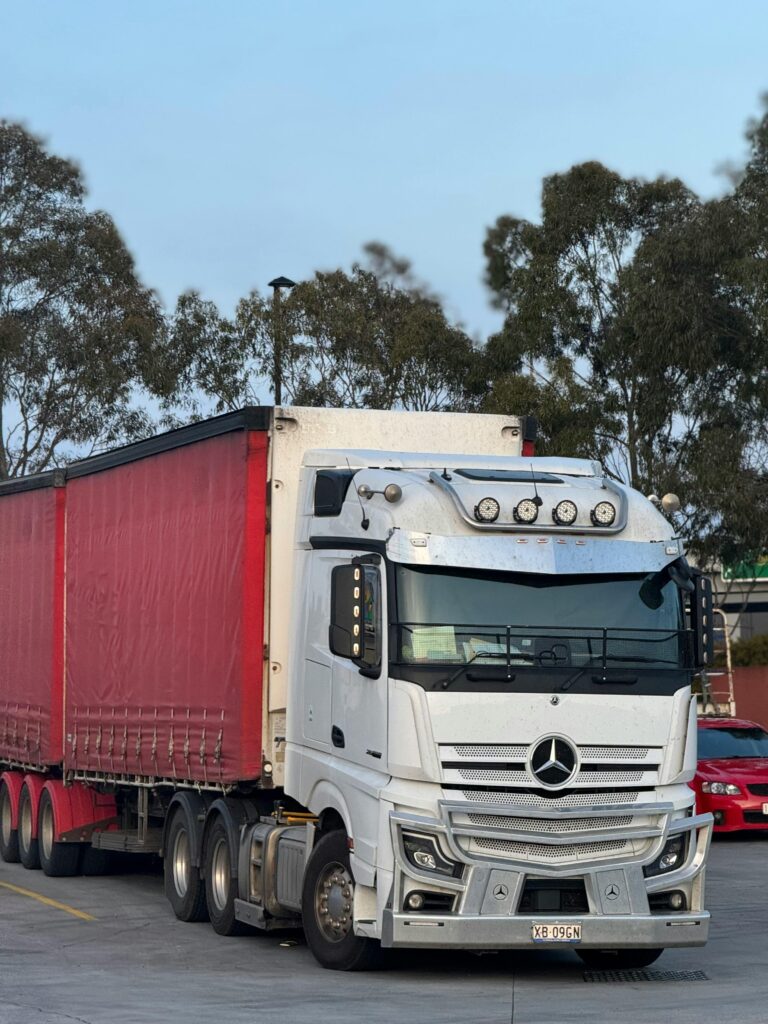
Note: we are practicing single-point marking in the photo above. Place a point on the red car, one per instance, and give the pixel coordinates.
(731, 779)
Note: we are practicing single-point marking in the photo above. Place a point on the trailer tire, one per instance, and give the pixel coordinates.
(220, 884)
(28, 847)
(184, 887)
(9, 836)
(58, 860)
(326, 909)
(618, 959)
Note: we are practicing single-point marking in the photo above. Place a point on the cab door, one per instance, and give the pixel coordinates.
(358, 642)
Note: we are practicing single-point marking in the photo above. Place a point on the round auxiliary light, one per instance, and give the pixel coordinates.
(526, 511)
(564, 513)
(487, 510)
(415, 901)
(603, 514)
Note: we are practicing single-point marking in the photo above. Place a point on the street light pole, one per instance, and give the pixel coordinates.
(277, 336)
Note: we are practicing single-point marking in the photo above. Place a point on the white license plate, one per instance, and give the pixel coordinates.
(765, 808)
(555, 932)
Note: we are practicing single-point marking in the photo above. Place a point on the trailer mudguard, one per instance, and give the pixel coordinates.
(79, 810)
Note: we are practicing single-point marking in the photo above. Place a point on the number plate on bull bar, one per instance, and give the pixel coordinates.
(554, 932)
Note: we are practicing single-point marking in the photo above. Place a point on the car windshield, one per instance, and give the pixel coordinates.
(455, 616)
(733, 742)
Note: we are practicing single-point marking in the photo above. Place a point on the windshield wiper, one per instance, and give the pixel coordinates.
(509, 677)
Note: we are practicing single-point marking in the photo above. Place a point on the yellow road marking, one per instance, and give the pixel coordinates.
(48, 901)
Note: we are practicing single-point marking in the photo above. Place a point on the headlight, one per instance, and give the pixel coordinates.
(671, 857)
(422, 852)
(720, 788)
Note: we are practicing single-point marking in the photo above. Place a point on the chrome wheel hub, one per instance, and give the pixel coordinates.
(46, 830)
(220, 874)
(181, 862)
(334, 896)
(6, 821)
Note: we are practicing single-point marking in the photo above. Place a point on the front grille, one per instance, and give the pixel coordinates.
(553, 825)
(522, 778)
(755, 818)
(553, 802)
(759, 789)
(538, 851)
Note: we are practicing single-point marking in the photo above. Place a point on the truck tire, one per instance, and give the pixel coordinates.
(618, 959)
(58, 860)
(28, 848)
(9, 836)
(326, 909)
(220, 886)
(184, 887)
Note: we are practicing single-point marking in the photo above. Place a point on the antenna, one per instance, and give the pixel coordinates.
(365, 522)
(537, 500)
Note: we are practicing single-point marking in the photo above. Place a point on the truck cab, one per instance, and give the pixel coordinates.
(491, 703)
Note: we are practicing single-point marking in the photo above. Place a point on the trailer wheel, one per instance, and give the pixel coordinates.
(9, 836)
(183, 885)
(220, 886)
(618, 959)
(28, 847)
(59, 860)
(326, 909)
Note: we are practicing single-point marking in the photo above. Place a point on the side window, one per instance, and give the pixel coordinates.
(356, 615)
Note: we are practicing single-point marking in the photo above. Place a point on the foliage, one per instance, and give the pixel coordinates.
(358, 339)
(77, 330)
(753, 651)
(637, 307)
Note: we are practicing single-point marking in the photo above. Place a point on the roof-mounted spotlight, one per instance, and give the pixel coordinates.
(564, 513)
(487, 510)
(603, 514)
(526, 511)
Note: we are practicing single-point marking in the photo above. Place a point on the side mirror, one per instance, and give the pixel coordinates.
(702, 622)
(355, 630)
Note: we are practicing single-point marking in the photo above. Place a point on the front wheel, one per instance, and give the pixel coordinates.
(327, 906)
(618, 959)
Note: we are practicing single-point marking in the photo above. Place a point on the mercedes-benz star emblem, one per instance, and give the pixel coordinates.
(553, 762)
(501, 892)
(612, 892)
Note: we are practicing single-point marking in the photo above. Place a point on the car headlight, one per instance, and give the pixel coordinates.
(422, 852)
(721, 788)
(671, 857)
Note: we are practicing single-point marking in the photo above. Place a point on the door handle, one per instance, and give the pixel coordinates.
(337, 736)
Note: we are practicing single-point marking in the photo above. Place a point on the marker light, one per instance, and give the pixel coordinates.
(526, 511)
(564, 513)
(603, 514)
(487, 510)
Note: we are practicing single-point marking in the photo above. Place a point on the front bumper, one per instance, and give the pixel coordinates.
(735, 813)
(475, 931)
(487, 898)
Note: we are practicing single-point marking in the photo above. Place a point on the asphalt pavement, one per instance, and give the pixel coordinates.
(108, 950)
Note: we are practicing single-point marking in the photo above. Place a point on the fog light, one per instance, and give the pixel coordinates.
(719, 817)
(415, 901)
(676, 900)
(671, 857)
(423, 853)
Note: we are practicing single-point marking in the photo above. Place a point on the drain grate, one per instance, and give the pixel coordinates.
(645, 975)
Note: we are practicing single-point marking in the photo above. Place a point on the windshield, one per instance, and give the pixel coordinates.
(454, 616)
(733, 742)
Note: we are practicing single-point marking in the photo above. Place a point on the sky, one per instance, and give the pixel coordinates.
(236, 141)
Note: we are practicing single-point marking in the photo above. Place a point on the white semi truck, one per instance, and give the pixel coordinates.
(387, 676)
